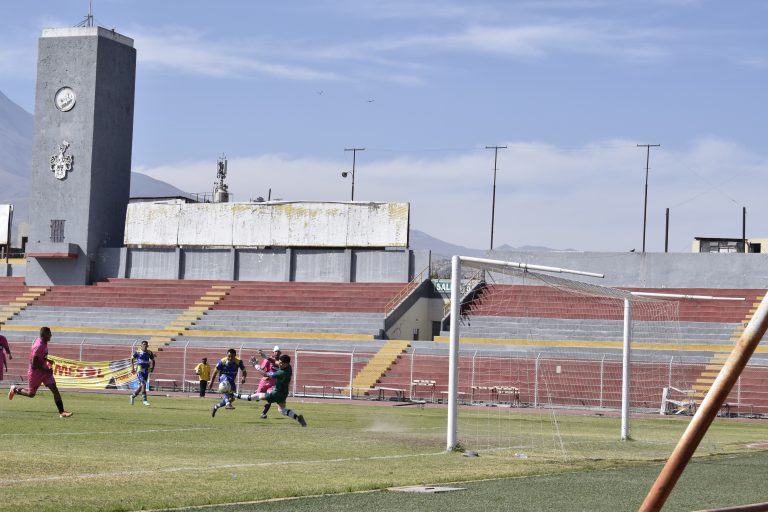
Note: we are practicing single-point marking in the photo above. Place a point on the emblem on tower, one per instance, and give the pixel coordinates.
(61, 163)
(65, 99)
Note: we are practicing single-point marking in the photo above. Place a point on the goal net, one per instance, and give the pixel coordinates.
(535, 358)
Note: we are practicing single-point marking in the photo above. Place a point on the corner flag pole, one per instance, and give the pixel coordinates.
(708, 410)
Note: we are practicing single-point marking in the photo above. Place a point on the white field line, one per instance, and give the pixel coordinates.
(148, 431)
(215, 467)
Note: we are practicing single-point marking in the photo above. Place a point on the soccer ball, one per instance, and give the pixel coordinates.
(225, 387)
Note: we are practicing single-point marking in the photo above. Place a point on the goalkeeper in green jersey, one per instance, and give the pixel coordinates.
(279, 393)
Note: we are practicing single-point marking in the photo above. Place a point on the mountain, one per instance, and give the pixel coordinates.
(146, 186)
(15, 139)
(440, 249)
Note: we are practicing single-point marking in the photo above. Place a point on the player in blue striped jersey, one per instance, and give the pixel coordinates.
(142, 364)
(227, 368)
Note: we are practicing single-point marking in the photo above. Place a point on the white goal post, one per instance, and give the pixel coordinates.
(481, 264)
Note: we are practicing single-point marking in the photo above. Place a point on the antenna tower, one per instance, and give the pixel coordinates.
(220, 189)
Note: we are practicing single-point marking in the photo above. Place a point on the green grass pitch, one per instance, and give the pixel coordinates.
(114, 456)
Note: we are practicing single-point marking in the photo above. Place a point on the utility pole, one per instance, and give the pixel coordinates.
(493, 203)
(345, 173)
(744, 228)
(645, 203)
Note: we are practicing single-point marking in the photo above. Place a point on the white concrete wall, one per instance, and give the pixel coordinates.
(6, 210)
(275, 224)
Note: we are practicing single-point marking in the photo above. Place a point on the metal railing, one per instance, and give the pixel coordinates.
(405, 292)
(469, 285)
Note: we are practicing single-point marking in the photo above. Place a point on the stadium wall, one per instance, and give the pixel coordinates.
(656, 270)
(274, 264)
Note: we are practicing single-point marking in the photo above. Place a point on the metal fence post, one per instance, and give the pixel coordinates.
(296, 369)
(184, 369)
(410, 385)
(472, 378)
(536, 381)
(602, 379)
(351, 370)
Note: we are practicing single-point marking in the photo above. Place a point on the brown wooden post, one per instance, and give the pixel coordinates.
(708, 410)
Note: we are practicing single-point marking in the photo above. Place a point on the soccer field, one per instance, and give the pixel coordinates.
(114, 456)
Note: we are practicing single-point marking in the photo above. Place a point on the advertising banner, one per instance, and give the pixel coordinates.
(93, 375)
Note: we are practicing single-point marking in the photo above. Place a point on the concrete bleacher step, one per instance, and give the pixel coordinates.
(369, 376)
(21, 301)
(718, 360)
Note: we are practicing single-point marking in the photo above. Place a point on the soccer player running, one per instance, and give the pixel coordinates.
(41, 372)
(279, 393)
(4, 347)
(142, 364)
(228, 368)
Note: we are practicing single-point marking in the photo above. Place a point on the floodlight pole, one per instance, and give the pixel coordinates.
(744, 228)
(645, 202)
(708, 410)
(354, 155)
(493, 202)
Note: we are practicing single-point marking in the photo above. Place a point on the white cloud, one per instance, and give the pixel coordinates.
(755, 62)
(189, 51)
(184, 50)
(537, 40)
(589, 198)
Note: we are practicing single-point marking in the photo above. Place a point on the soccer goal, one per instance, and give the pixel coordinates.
(530, 350)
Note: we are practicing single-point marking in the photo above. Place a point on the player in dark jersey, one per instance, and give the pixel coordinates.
(279, 393)
(142, 364)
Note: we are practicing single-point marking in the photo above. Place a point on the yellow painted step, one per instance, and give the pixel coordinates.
(198, 308)
(205, 303)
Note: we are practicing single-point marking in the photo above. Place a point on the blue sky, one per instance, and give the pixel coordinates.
(571, 87)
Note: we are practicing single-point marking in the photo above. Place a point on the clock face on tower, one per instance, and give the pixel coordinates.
(65, 99)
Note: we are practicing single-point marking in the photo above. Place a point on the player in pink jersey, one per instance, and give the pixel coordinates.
(4, 347)
(268, 364)
(41, 372)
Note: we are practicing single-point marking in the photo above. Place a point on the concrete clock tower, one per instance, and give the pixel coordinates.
(81, 159)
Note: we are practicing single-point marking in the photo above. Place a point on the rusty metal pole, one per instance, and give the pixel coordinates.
(708, 410)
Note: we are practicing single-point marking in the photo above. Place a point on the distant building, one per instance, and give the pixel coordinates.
(727, 245)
